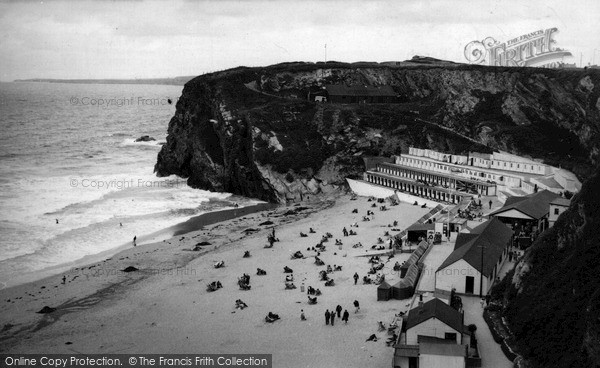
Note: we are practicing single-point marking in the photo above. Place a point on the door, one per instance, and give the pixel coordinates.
(413, 362)
(469, 284)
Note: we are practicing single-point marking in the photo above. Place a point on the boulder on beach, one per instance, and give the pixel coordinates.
(266, 223)
(130, 269)
(46, 310)
(250, 230)
(203, 243)
(145, 138)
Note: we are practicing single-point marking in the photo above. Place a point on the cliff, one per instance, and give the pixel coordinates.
(553, 304)
(253, 132)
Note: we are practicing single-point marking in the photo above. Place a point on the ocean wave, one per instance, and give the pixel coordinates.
(132, 142)
(76, 243)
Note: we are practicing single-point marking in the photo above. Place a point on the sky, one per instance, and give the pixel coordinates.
(156, 39)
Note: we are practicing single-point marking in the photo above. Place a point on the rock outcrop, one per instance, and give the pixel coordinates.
(253, 132)
(553, 304)
(145, 138)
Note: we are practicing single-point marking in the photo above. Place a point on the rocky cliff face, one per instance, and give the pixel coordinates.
(252, 131)
(553, 305)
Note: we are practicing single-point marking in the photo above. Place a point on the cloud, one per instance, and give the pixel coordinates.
(65, 39)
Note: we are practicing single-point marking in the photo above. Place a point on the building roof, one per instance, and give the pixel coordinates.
(435, 308)
(560, 201)
(406, 350)
(359, 90)
(535, 205)
(491, 237)
(421, 227)
(572, 184)
(549, 181)
(485, 156)
(384, 285)
(436, 346)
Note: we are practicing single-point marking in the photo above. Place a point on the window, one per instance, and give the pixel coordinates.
(556, 211)
(450, 336)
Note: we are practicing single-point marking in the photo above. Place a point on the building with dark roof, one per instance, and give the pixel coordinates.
(435, 310)
(476, 260)
(433, 335)
(341, 93)
(527, 215)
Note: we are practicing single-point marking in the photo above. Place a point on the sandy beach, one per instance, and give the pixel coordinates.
(164, 307)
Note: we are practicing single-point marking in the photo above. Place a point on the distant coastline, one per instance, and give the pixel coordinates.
(177, 81)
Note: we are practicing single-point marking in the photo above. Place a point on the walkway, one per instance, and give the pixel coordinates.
(432, 261)
(490, 351)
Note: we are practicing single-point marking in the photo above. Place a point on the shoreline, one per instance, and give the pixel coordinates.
(165, 307)
(209, 218)
(192, 224)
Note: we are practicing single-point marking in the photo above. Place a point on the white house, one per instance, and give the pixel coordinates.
(433, 335)
(557, 206)
(476, 260)
(436, 353)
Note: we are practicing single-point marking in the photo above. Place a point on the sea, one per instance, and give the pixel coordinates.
(73, 181)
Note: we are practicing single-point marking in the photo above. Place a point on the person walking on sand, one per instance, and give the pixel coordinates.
(338, 309)
(134, 240)
(57, 221)
(332, 318)
(346, 316)
(355, 278)
(357, 306)
(302, 316)
(490, 203)
(64, 279)
(327, 315)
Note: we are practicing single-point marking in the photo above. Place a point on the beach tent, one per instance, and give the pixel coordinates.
(414, 257)
(384, 291)
(405, 288)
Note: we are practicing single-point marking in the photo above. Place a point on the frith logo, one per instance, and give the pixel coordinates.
(532, 49)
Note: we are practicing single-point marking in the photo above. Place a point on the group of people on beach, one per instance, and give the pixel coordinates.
(330, 316)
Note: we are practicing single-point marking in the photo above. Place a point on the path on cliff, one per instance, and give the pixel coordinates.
(252, 86)
(449, 130)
